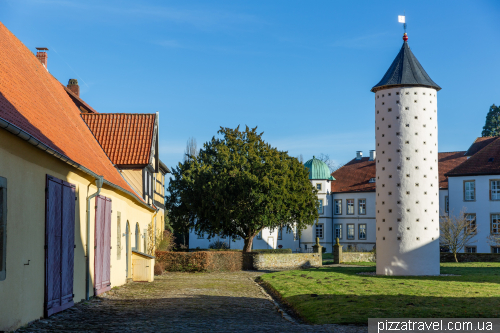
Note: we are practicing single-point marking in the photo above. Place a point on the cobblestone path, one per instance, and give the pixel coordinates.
(182, 302)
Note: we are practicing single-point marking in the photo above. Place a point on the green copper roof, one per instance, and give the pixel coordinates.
(318, 169)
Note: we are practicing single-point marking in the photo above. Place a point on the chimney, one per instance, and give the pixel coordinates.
(74, 87)
(41, 54)
(359, 155)
(373, 154)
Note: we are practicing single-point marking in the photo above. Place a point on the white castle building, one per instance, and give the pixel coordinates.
(407, 169)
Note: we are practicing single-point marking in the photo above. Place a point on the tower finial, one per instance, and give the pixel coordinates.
(405, 37)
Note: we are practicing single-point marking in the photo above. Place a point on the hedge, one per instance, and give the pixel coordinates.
(199, 261)
(273, 251)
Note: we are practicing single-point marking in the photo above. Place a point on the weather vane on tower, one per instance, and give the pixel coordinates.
(402, 19)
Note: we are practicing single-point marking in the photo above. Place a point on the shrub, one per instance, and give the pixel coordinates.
(165, 241)
(218, 245)
(159, 268)
(201, 261)
(273, 251)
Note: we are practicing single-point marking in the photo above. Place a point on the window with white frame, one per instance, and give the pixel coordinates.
(471, 219)
(470, 249)
(362, 206)
(350, 231)
(280, 233)
(338, 207)
(338, 231)
(319, 230)
(469, 190)
(495, 224)
(350, 206)
(3, 226)
(318, 186)
(495, 189)
(362, 231)
(259, 235)
(320, 209)
(446, 204)
(495, 249)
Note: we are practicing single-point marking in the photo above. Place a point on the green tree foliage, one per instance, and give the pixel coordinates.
(180, 217)
(238, 185)
(492, 125)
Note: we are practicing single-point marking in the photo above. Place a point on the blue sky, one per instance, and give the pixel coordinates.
(299, 70)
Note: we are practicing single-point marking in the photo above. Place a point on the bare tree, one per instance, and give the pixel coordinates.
(301, 159)
(457, 231)
(326, 158)
(494, 239)
(191, 149)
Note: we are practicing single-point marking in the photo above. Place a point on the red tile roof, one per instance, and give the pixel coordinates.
(485, 162)
(355, 176)
(479, 144)
(446, 162)
(33, 100)
(78, 101)
(125, 137)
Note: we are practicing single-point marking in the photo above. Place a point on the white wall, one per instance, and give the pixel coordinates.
(407, 153)
(482, 206)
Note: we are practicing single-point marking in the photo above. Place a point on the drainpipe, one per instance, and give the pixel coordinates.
(333, 230)
(99, 181)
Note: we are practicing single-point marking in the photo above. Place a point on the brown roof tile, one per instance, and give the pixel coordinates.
(479, 144)
(355, 176)
(484, 162)
(33, 100)
(448, 161)
(125, 137)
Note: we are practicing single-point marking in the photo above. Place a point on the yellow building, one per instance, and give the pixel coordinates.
(67, 215)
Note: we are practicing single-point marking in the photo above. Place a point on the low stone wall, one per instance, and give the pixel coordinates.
(471, 257)
(270, 261)
(358, 257)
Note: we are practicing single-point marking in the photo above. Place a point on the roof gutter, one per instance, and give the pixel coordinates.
(37, 143)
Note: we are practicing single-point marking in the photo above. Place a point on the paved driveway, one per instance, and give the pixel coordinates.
(182, 302)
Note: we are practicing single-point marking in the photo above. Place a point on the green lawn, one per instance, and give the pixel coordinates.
(339, 295)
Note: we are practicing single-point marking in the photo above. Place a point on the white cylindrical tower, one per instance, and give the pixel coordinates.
(407, 203)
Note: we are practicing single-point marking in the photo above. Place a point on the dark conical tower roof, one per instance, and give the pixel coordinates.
(405, 71)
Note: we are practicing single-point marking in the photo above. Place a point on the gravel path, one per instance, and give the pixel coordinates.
(182, 302)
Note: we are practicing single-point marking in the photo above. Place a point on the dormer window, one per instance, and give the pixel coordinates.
(372, 180)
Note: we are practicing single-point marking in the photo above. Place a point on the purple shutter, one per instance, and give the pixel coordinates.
(102, 253)
(59, 245)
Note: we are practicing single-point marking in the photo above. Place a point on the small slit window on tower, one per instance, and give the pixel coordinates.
(416, 133)
(389, 126)
(389, 94)
(399, 220)
(407, 93)
(397, 133)
(416, 168)
(415, 93)
(390, 193)
(389, 109)
(407, 142)
(416, 117)
(407, 108)
(398, 185)
(399, 238)
(397, 93)
(397, 117)
(407, 125)
(383, 103)
(415, 101)
(407, 158)
(397, 102)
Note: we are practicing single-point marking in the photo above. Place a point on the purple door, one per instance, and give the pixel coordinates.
(59, 245)
(102, 252)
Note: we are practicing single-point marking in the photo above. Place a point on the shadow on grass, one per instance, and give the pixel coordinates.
(466, 274)
(355, 309)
